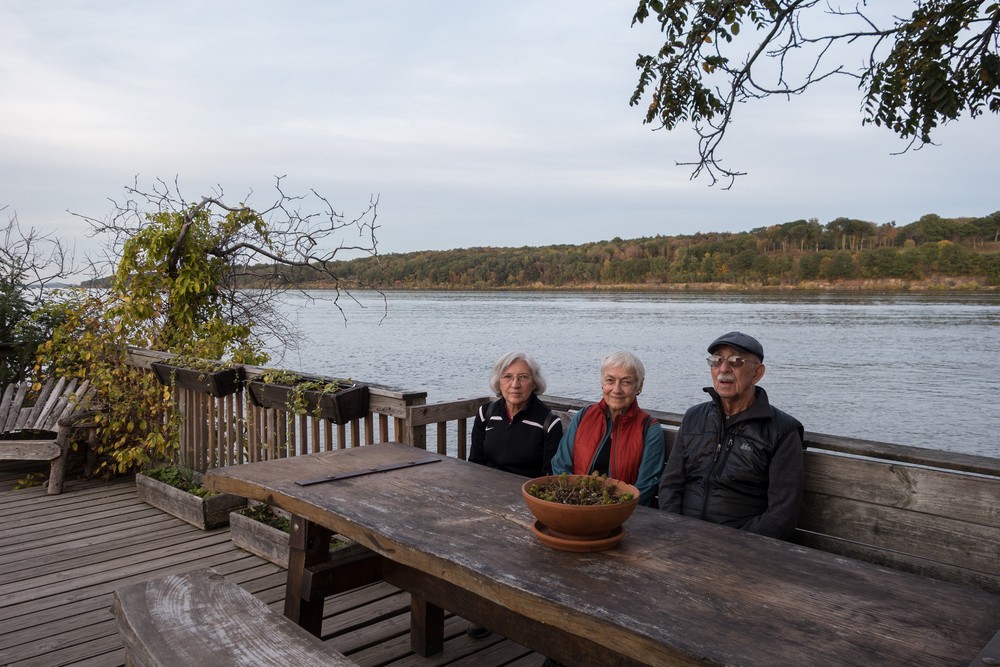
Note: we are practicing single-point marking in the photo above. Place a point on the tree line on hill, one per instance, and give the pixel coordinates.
(802, 251)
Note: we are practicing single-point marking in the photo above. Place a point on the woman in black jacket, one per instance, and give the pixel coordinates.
(516, 433)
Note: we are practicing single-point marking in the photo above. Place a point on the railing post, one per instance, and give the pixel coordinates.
(406, 429)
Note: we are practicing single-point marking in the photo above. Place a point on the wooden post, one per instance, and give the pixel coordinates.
(308, 544)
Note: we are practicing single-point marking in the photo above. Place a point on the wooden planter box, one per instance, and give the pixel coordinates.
(217, 383)
(204, 513)
(340, 407)
(271, 543)
(258, 538)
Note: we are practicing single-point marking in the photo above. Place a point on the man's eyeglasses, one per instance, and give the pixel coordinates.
(734, 360)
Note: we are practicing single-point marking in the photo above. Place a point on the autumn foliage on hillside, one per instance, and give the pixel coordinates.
(801, 252)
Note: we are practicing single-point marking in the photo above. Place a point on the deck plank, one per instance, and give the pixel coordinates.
(61, 557)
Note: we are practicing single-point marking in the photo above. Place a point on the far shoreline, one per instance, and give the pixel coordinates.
(942, 284)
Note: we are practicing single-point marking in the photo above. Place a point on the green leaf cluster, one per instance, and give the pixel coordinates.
(939, 67)
(168, 293)
(299, 385)
(135, 426)
(171, 282)
(916, 71)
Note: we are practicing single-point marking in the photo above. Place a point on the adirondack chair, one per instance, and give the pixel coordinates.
(41, 431)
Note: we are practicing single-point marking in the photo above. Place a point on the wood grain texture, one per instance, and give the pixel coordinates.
(675, 590)
(939, 523)
(200, 618)
(204, 513)
(63, 556)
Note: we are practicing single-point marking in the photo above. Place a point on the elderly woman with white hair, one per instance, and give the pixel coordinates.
(615, 437)
(516, 433)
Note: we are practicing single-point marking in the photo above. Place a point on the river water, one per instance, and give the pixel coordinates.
(909, 368)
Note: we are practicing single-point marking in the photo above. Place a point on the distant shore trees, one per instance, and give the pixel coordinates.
(791, 254)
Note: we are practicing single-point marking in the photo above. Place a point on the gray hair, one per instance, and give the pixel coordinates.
(504, 362)
(626, 360)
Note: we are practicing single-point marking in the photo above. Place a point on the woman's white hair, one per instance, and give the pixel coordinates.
(626, 360)
(504, 362)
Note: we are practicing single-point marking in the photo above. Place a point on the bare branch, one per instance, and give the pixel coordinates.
(921, 71)
(31, 260)
(292, 243)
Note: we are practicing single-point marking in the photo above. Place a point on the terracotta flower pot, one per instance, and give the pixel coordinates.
(598, 525)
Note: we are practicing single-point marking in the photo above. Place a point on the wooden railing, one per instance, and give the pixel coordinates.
(932, 512)
(224, 431)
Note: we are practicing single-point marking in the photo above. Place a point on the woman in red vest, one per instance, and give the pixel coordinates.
(615, 437)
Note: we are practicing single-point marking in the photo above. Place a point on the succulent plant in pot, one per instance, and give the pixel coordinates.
(579, 512)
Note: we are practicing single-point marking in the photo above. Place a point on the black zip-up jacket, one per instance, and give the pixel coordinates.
(524, 445)
(744, 471)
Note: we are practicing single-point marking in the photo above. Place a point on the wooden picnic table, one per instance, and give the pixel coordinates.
(676, 590)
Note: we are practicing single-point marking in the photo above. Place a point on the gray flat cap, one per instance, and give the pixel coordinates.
(740, 341)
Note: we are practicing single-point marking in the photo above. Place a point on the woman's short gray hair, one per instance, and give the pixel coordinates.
(628, 361)
(504, 362)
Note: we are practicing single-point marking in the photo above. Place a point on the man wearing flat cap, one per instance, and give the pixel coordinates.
(737, 460)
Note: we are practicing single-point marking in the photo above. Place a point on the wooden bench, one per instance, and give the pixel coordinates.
(41, 431)
(930, 512)
(200, 618)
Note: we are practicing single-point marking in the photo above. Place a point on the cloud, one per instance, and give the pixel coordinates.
(477, 124)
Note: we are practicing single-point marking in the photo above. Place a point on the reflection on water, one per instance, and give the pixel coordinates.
(912, 368)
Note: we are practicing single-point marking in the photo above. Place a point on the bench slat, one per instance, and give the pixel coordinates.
(29, 450)
(925, 536)
(939, 523)
(200, 618)
(14, 410)
(898, 560)
(943, 493)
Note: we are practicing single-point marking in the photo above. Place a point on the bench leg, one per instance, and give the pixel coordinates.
(57, 470)
(308, 544)
(88, 469)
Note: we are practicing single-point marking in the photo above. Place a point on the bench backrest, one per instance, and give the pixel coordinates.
(57, 399)
(943, 524)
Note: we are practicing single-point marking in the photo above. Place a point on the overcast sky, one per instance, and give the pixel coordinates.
(503, 123)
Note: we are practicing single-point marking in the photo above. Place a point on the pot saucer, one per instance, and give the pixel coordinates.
(556, 541)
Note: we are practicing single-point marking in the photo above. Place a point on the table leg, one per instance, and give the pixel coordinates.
(426, 627)
(308, 544)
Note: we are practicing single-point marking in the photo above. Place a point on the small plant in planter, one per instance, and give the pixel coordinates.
(218, 378)
(179, 478)
(579, 512)
(263, 531)
(268, 516)
(178, 491)
(340, 401)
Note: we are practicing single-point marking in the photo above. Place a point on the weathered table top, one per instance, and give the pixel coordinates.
(675, 589)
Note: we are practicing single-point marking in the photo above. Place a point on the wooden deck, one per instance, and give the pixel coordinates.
(62, 556)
